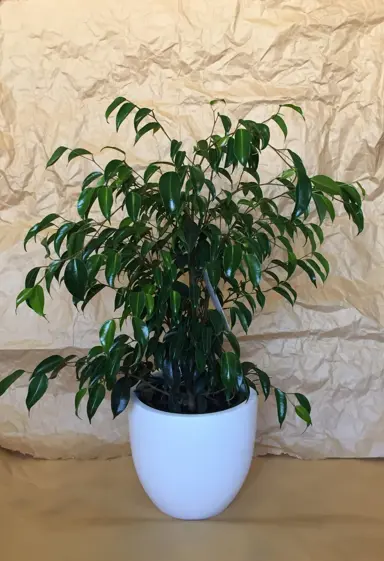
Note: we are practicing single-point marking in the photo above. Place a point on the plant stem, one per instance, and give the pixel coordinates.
(214, 298)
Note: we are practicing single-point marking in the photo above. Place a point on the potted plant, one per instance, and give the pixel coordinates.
(191, 246)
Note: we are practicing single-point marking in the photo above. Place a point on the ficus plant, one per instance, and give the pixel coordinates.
(190, 246)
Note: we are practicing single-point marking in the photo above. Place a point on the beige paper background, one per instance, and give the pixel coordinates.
(63, 62)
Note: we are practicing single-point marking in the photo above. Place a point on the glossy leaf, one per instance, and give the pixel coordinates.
(78, 152)
(150, 171)
(48, 365)
(281, 403)
(323, 262)
(7, 382)
(233, 341)
(112, 168)
(280, 290)
(120, 396)
(175, 301)
(303, 265)
(242, 146)
(232, 259)
(154, 127)
(105, 198)
(140, 330)
(226, 121)
(229, 369)
(107, 334)
(75, 278)
(31, 277)
(61, 234)
(170, 189)
(303, 187)
(92, 292)
(78, 398)
(295, 108)
(303, 401)
(112, 106)
(133, 202)
(303, 414)
(254, 269)
(197, 176)
(96, 396)
(140, 115)
(36, 389)
(281, 123)
(56, 155)
(85, 201)
(123, 113)
(137, 303)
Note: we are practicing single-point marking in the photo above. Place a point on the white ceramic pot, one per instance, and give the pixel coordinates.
(192, 466)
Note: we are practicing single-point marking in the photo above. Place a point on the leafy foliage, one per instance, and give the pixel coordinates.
(186, 245)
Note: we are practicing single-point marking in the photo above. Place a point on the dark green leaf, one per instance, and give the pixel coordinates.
(175, 301)
(280, 290)
(78, 152)
(84, 204)
(191, 232)
(95, 289)
(75, 278)
(200, 360)
(78, 397)
(170, 189)
(242, 318)
(151, 170)
(232, 259)
(39, 227)
(303, 265)
(105, 200)
(61, 234)
(323, 261)
(140, 115)
(137, 303)
(303, 414)
(112, 168)
(147, 128)
(214, 272)
(133, 202)
(175, 147)
(233, 341)
(217, 321)
(107, 334)
(254, 269)
(48, 365)
(229, 369)
(281, 123)
(321, 206)
(265, 382)
(318, 231)
(326, 184)
(303, 187)
(295, 108)
(260, 298)
(317, 268)
(242, 147)
(197, 176)
(6, 382)
(120, 396)
(303, 401)
(115, 103)
(140, 330)
(31, 277)
(226, 123)
(93, 265)
(123, 113)
(36, 389)
(96, 396)
(56, 155)
(251, 301)
(281, 403)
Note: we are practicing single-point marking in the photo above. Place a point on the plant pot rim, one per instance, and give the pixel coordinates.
(137, 401)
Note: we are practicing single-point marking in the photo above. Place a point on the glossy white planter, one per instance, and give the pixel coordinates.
(192, 466)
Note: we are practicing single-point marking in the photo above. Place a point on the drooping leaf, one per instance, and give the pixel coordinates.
(78, 152)
(226, 121)
(140, 330)
(85, 201)
(232, 259)
(326, 184)
(280, 290)
(107, 334)
(123, 113)
(295, 108)
(133, 202)
(154, 127)
(75, 278)
(115, 103)
(140, 115)
(217, 321)
(39, 227)
(303, 187)
(112, 168)
(316, 267)
(120, 396)
(6, 382)
(229, 369)
(323, 261)
(175, 147)
(151, 170)
(233, 341)
(36, 300)
(48, 365)
(96, 396)
(170, 189)
(56, 155)
(242, 146)
(61, 234)
(91, 293)
(31, 277)
(281, 403)
(303, 401)
(254, 269)
(36, 389)
(78, 397)
(281, 123)
(175, 301)
(105, 198)
(197, 176)
(303, 414)
(303, 265)
(137, 303)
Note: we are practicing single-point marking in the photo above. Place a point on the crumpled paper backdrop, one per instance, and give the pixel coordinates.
(63, 62)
